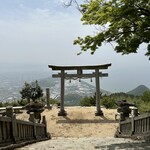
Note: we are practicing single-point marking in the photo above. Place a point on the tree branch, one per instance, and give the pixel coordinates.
(143, 11)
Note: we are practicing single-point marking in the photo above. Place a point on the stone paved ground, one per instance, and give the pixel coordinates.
(90, 143)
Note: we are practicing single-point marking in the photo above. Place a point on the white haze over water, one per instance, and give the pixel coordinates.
(36, 33)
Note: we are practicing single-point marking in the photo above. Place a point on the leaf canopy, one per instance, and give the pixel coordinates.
(125, 22)
(31, 91)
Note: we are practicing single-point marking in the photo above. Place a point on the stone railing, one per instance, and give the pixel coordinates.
(138, 127)
(16, 110)
(13, 131)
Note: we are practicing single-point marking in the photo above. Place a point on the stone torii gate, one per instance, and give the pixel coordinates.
(63, 75)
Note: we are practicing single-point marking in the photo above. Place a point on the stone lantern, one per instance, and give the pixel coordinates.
(124, 108)
(35, 107)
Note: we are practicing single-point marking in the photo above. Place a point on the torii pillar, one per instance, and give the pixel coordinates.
(62, 111)
(98, 108)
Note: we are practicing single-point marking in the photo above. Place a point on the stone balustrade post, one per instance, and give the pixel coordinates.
(120, 119)
(132, 125)
(45, 123)
(14, 128)
(32, 119)
(9, 111)
(34, 128)
(134, 113)
(0, 132)
(31, 116)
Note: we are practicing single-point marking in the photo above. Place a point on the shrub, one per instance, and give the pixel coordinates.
(22, 102)
(1, 104)
(53, 101)
(5, 104)
(144, 107)
(14, 103)
(108, 102)
(146, 96)
(87, 101)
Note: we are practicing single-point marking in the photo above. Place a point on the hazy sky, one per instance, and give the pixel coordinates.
(42, 32)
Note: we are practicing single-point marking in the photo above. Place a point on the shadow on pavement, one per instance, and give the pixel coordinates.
(125, 146)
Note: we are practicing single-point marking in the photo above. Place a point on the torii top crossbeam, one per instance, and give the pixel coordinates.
(88, 67)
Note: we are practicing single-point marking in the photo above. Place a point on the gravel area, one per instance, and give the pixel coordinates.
(82, 130)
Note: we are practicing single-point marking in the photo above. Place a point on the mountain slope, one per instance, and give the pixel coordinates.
(138, 91)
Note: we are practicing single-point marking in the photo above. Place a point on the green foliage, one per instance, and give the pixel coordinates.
(146, 97)
(93, 100)
(1, 104)
(26, 91)
(53, 101)
(142, 103)
(36, 91)
(6, 104)
(130, 98)
(14, 103)
(108, 102)
(127, 22)
(22, 102)
(87, 101)
(144, 107)
(31, 91)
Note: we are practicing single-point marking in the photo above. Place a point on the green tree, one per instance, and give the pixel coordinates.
(87, 101)
(144, 107)
(146, 97)
(93, 99)
(125, 22)
(53, 101)
(22, 102)
(1, 104)
(108, 102)
(31, 91)
(144, 104)
(26, 91)
(36, 91)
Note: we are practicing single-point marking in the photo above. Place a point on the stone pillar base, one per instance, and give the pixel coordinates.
(99, 113)
(62, 113)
